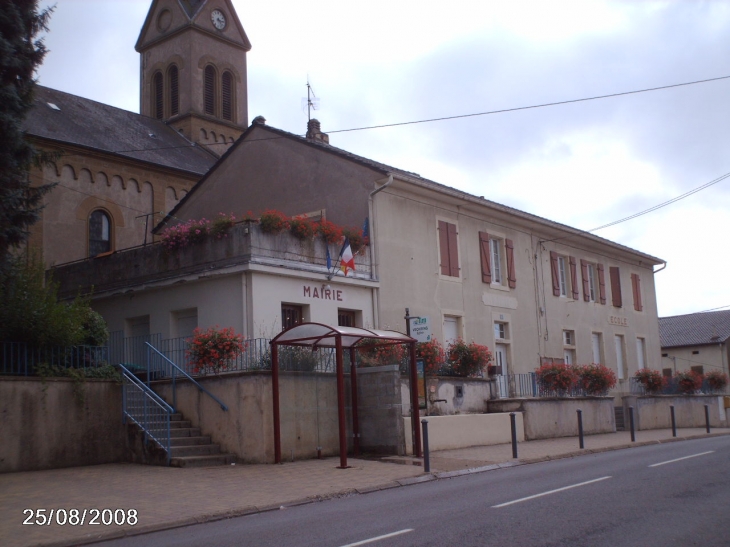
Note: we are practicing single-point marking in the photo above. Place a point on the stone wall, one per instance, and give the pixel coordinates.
(380, 409)
(653, 412)
(448, 395)
(46, 424)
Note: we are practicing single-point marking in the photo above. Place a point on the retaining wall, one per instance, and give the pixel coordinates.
(653, 412)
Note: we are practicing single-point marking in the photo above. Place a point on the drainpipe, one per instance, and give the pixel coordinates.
(373, 253)
(664, 265)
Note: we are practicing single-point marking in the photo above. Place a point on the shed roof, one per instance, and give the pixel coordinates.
(694, 329)
(324, 336)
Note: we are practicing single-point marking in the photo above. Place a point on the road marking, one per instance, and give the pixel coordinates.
(550, 492)
(372, 540)
(680, 459)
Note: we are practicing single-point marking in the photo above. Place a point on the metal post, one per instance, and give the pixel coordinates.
(707, 417)
(355, 418)
(341, 403)
(513, 423)
(674, 422)
(275, 390)
(414, 403)
(580, 428)
(631, 422)
(426, 458)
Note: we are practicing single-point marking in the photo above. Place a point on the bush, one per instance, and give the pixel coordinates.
(273, 222)
(432, 354)
(222, 225)
(468, 359)
(330, 231)
(213, 349)
(371, 354)
(354, 235)
(716, 380)
(556, 377)
(651, 380)
(688, 381)
(302, 228)
(595, 379)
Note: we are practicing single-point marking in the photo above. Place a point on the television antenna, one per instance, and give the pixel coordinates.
(311, 102)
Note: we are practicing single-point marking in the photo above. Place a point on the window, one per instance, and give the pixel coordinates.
(451, 329)
(569, 356)
(569, 337)
(636, 289)
(346, 318)
(448, 249)
(569, 349)
(173, 87)
(597, 346)
(227, 95)
(696, 352)
(620, 356)
(562, 279)
(209, 90)
(615, 275)
(158, 95)
(99, 233)
(641, 353)
(667, 372)
(500, 331)
(698, 369)
(563, 275)
(290, 316)
(590, 280)
(496, 261)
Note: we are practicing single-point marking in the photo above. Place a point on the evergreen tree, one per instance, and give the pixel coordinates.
(21, 52)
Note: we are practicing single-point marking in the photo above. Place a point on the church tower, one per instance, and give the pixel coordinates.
(193, 70)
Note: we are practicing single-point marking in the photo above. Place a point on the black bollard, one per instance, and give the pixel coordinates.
(674, 421)
(580, 428)
(513, 423)
(631, 422)
(426, 458)
(707, 417)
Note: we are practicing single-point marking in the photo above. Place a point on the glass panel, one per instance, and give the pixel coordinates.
(99, 233)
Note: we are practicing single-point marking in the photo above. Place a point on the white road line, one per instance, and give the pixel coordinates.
(372, 540)
(680, 459)
(550, 492)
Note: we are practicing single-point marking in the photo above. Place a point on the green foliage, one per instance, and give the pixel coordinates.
(688, 381)
(716, 380)
(556, 377)
(291, 358)
(595, 379)
(651, 380)
(30, 311)
(468, 359)
(20, 54)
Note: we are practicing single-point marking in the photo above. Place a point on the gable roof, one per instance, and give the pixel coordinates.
(191, 7)
(694, 329)
(89, 124)
(406, 176)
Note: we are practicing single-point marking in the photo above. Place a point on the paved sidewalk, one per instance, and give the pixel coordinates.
(170, 497)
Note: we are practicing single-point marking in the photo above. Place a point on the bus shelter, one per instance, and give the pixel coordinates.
(318, 335)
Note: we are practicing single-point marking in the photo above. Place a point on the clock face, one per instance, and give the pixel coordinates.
(218, 19)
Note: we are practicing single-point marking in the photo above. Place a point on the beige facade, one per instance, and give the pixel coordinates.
(709, 357)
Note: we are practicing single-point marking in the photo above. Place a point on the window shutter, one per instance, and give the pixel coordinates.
(157, 82)
(601, 283)
(174, 92)
(209, 91)
(511, 274)
(227, 96)
(615, 286)
(636, 286)
(574, 278)
(486, 257)
(586, 281)
(443, 248)
(555, 274)
(453, 250)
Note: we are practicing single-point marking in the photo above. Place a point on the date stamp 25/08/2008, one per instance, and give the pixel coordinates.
(80, 517)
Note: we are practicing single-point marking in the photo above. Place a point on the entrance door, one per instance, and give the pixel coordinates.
(500, 360)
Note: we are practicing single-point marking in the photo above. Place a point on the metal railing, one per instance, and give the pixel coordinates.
(507, 386)
(160, 367)
(671, 387)
(145, 408)
(131, 350)
(21, 359)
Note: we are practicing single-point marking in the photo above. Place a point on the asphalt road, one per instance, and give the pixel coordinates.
(675, 494)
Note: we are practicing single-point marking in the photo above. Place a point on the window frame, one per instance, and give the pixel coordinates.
(109, 247)
(286, 310)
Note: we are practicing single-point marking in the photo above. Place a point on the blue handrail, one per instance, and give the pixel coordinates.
(174, 369)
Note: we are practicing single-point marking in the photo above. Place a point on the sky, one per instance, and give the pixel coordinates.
(584, 164)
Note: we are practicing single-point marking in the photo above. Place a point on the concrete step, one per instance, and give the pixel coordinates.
(180, 424)
(203, 461)
(185, 432)
(195, 450)
(189, 441)
(619, 415)
(176, 417)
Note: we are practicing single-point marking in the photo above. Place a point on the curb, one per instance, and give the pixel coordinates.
(425, 477)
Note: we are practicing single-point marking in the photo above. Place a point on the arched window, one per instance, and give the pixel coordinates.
(209, 90)
(158, 105)
(227, 95)
(172, 85)
(99, 233)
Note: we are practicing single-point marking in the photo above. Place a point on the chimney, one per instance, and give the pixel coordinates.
(259, 120)
(314, 132)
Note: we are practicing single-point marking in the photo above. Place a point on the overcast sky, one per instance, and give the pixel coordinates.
(583, 164)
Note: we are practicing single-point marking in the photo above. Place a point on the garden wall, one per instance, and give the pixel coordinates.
(444, 399)
(52, 423)
(653, 412)
(547, 418)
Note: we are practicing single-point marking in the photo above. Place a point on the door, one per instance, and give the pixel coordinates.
(451, 329)
(500, 360)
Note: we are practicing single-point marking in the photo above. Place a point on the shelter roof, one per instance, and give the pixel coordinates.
(325, 336)
(694, 329)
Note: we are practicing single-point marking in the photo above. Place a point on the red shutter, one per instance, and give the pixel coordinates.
(453, 250)
(486, 256)
(444, 248)
(586, 280)
(511, 274)
(555, 273)
(636, 286)
(615, 286)
(601, 283)
(574, 278)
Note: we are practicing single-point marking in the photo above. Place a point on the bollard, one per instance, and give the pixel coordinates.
(631, 422)
(513, 423)
(707, 417)
(426, 455)
(580, 428)
(674, 422)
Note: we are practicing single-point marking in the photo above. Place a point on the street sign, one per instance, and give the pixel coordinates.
(421, 329)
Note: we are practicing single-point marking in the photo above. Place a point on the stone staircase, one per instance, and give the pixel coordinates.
(619, 413)
(191, 449)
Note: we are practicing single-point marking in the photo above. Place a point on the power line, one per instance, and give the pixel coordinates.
(569, 101)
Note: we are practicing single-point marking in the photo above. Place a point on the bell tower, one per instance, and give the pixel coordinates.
(193, 70)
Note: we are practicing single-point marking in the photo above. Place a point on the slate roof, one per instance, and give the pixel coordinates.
(101, 127)
(695, 329)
